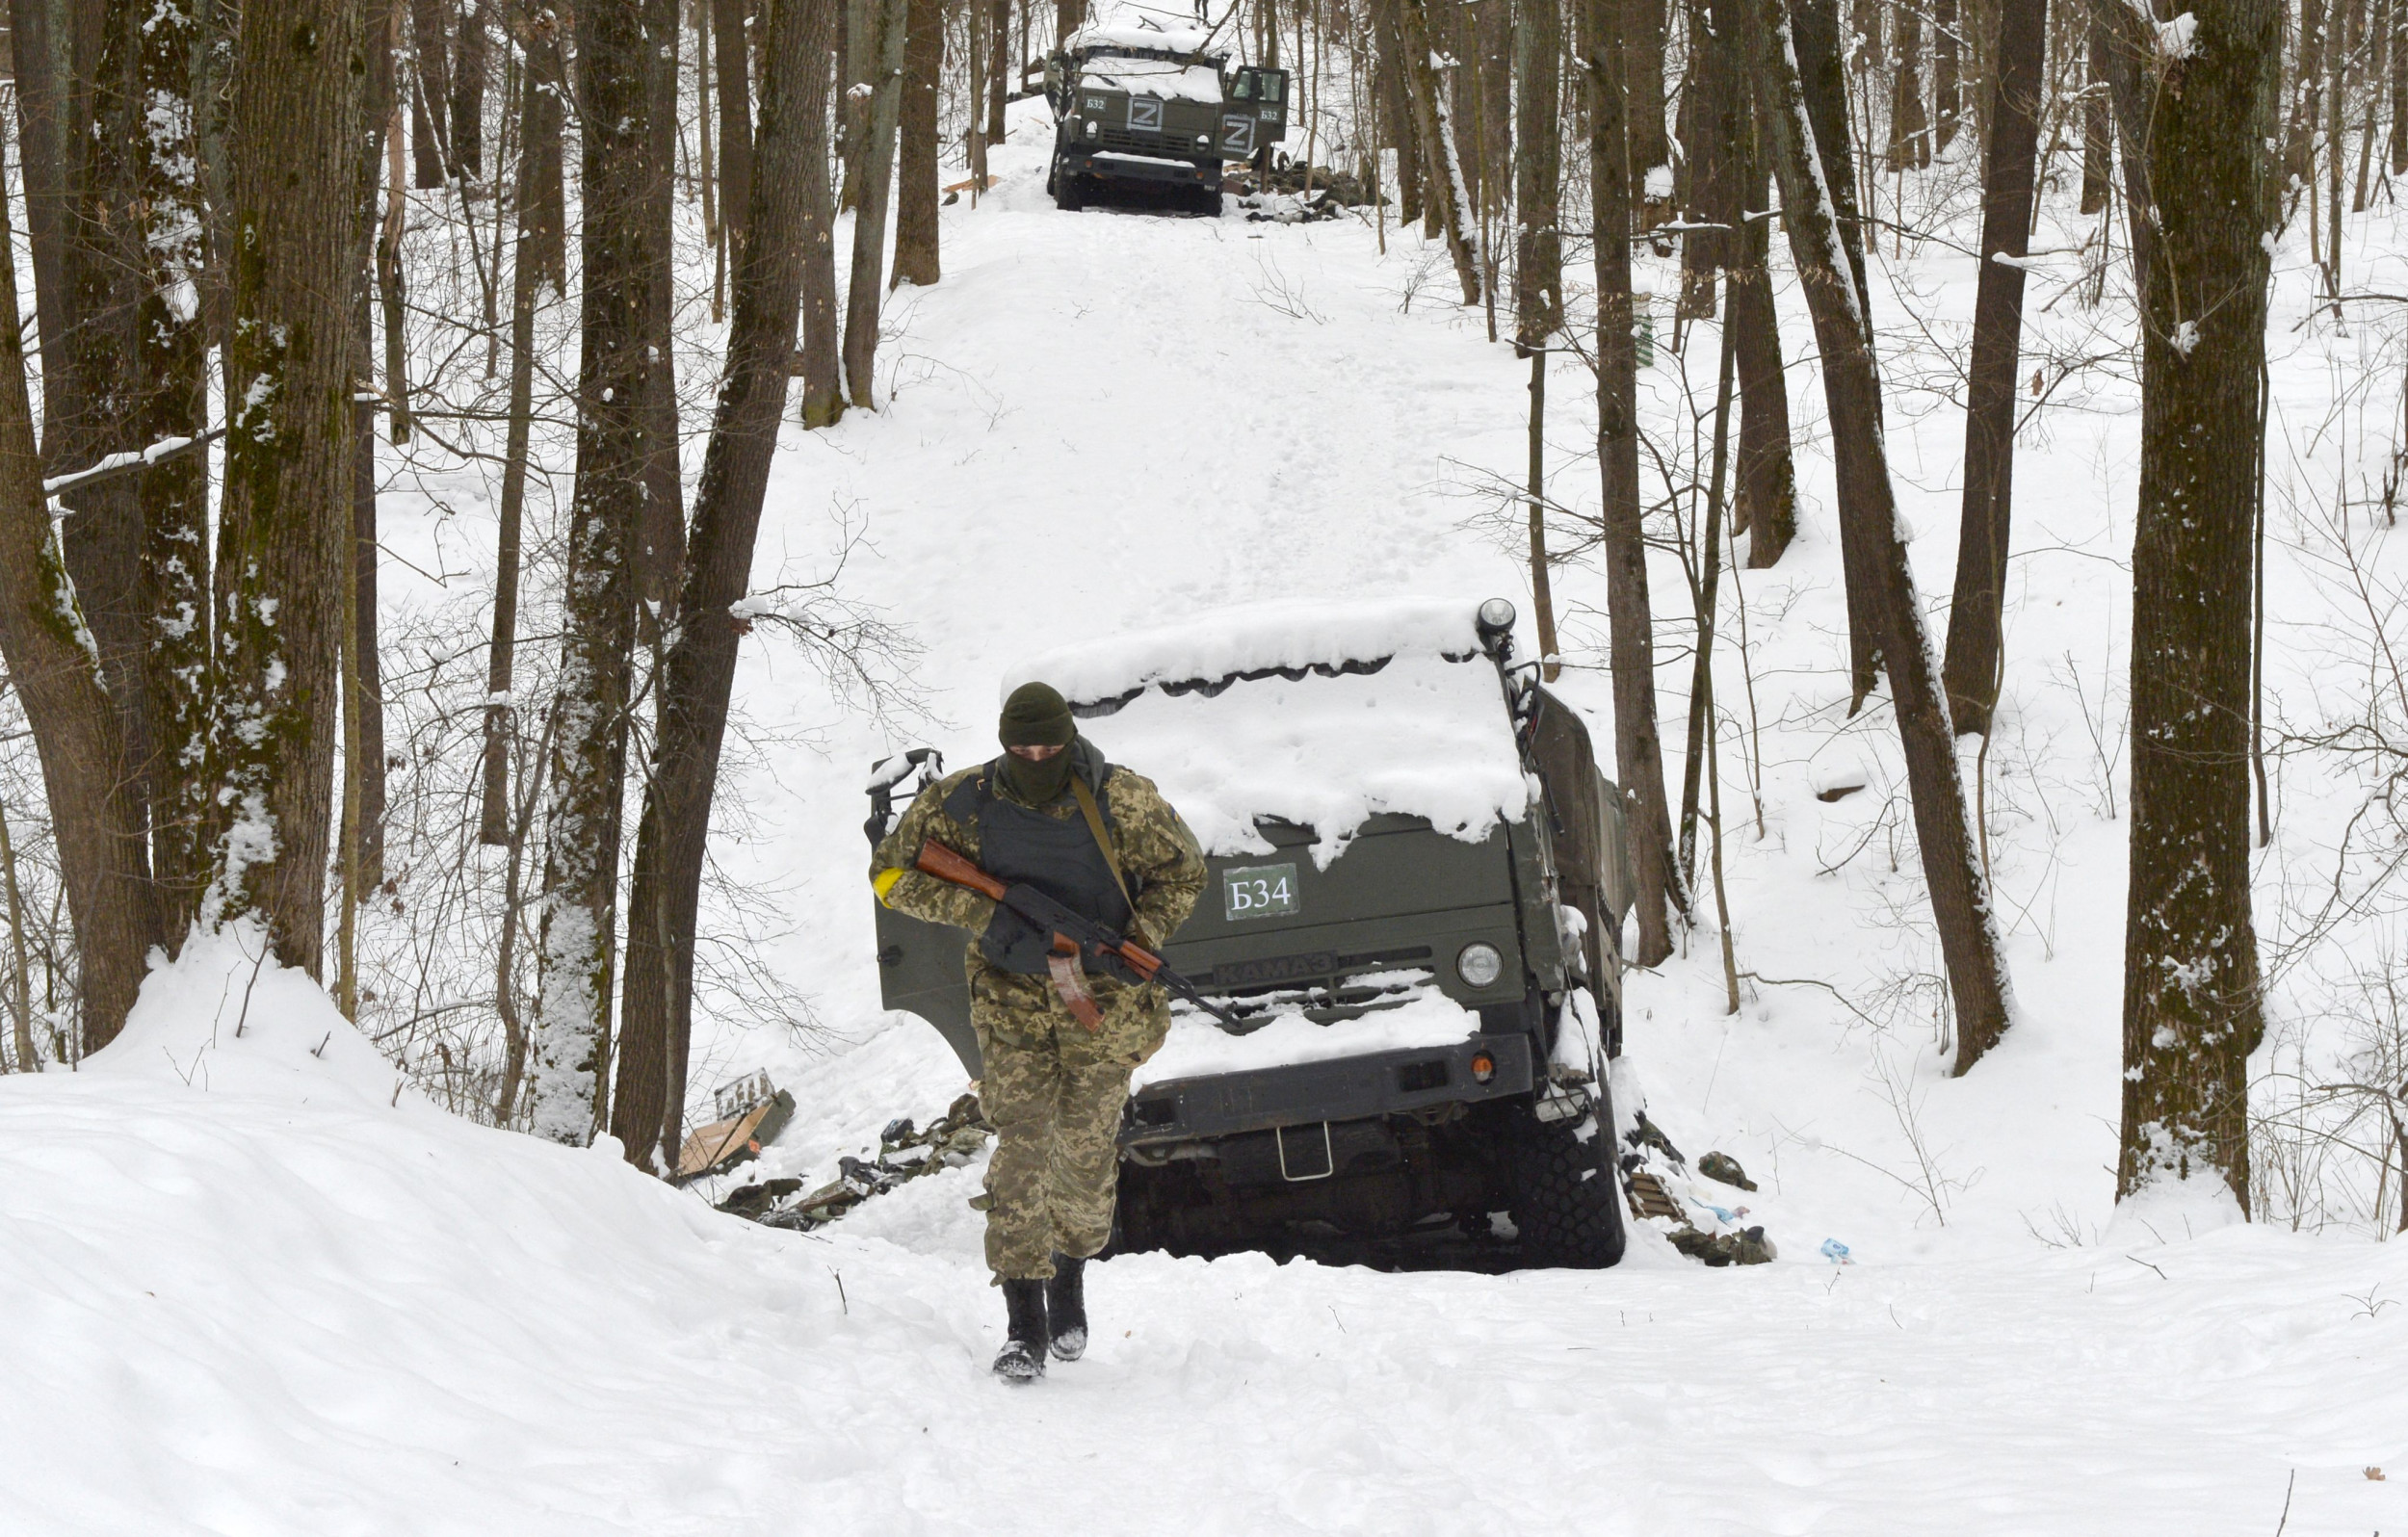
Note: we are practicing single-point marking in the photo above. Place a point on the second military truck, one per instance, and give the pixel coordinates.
(1136, 107)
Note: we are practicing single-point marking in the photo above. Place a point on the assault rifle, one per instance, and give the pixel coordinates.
(1075, 938)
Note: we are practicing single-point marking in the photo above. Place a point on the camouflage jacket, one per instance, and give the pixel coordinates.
(1159, 859)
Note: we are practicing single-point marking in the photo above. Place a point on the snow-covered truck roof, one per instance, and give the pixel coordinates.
(1321, 715)
(1148, 39)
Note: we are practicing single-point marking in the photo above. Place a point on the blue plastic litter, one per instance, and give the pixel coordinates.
(1836, 1252)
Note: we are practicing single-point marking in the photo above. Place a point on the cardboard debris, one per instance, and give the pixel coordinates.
(1650, 1199)
(905, 1153)
(725, 1143)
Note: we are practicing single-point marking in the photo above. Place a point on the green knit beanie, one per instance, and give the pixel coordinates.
(1037, 717)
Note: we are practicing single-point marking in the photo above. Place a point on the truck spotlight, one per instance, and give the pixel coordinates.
(1479, 964)
(1496, 617)
(1483, 1066)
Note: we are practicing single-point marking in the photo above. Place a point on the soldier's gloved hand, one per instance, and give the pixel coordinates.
(1006, 927)
(1110, 964)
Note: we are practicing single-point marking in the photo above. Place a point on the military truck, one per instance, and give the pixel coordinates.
(1136, 106)
(1417, 885)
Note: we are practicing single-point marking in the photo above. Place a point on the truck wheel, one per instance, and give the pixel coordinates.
(1208, 200)
(1562, 1191)
(1068, 195)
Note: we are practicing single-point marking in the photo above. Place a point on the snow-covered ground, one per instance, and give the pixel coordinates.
(250, 1290)
(284, 1304)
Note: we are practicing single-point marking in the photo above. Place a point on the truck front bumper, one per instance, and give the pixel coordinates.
(1122, 164)
(1346, 1088)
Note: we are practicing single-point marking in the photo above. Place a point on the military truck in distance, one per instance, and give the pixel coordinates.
(1137, 107)
(1426, 985)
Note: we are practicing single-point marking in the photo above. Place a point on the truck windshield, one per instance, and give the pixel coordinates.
(1166, 78)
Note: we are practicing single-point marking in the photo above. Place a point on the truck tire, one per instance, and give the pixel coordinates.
(1068, 195)
(1563, 1193)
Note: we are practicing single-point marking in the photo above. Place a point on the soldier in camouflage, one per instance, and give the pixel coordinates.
(1052, 813)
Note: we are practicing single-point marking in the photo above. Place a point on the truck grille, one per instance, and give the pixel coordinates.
(1366, 986)
(1167, 146)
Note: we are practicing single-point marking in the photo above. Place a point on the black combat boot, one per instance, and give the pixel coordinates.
(1023, 1356)
(1066, 1308)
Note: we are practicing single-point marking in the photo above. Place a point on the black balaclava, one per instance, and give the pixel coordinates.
(1036, 716)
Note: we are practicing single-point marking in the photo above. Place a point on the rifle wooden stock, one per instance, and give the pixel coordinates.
(936, 859)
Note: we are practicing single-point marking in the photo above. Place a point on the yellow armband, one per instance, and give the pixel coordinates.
(884, 882)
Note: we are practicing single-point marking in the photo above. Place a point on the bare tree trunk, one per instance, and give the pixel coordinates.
(390, 289)
(2336, 150)
(857, 50)
(2098, 124)
(171, 347)
(542, 196)
(466, 120)
(1539, 262)
(1002, 65)
(863, 294)
(820, 362)
(916, 256)
(364, 681)
(1943, 828)
(2191, 1007)
(1708, 596)
(280, 558)
(1434, 121)
(100, 401)
(1538, 173)
(2127, 54)
(38, 54)
(663, 546)
(430, 92)
(1638, 756)
(700, 670)
(2398, 146)
(98, 829)
(707, 163)
(1765, 505)
(1910, 127)
(1948, 88)
(1395, 109)
(20, 980)
(1822, 84)
(569, 1045)
(496, 826)
(1643, 89)
(1069, 15)
(1713, 102)
(2307, 107)
(1975, 648)
(729, 35)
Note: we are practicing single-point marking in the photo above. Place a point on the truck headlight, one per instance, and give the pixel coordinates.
(1479, 964)
(1090, 127)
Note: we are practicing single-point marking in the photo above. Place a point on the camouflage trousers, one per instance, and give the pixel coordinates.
(1052, 1090)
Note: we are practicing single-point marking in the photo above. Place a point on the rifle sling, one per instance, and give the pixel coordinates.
(1103, 840)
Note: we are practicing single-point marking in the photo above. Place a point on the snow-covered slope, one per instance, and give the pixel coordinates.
(284, 1307)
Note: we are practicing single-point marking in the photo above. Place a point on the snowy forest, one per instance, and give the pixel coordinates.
(1873, 517)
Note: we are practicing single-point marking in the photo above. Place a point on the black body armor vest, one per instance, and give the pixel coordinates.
(1056, 855)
